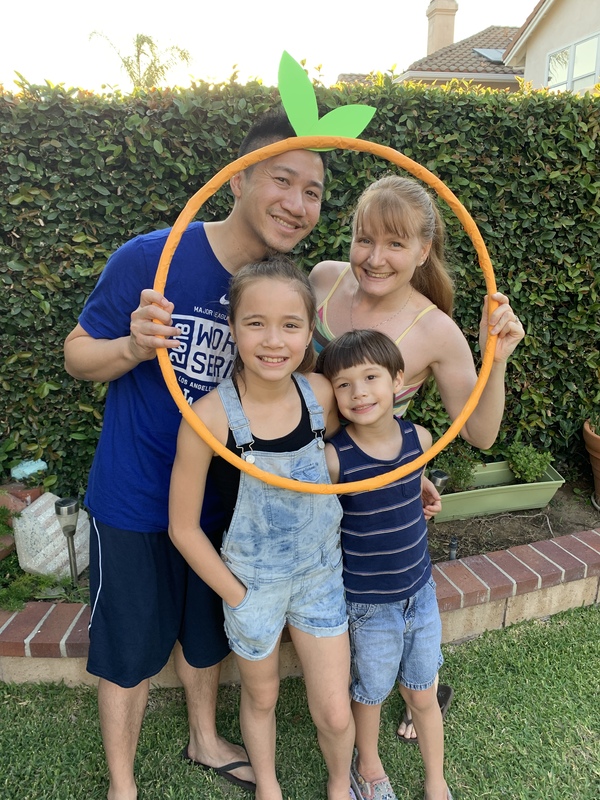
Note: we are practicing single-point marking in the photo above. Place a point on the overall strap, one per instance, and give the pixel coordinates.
(236, 418)
(317, 421)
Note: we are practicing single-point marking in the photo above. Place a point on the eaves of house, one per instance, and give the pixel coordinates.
(515, 52)
(477, 58)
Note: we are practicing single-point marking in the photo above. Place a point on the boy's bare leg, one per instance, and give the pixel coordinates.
(366, 719)
(121, 715)
(205, 744)
(326, 668)
(407, 729)
(430, 732)
(260, 690)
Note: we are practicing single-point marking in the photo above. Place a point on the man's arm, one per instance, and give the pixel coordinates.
(90, 359)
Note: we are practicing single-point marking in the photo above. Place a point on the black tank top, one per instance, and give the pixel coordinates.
(225, 478)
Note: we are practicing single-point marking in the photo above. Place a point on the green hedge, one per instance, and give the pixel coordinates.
(81, 174)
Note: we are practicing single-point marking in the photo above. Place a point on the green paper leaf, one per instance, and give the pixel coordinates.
(346, 121)
(297, 96)
(300, 103)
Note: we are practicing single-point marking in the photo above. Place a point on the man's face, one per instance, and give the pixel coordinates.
(279, 199)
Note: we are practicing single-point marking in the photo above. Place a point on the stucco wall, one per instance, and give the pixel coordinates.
(566, 22)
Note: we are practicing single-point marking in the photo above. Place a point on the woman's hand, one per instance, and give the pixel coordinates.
(504, 322)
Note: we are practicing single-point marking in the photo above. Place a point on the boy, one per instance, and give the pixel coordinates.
(394, 622)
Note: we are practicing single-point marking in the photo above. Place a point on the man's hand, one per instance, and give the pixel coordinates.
(151, 326)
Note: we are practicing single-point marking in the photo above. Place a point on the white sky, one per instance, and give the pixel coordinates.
(49, 39)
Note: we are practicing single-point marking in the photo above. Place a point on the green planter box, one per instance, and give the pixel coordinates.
(495, 492)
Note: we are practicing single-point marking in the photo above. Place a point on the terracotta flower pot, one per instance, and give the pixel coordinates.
(592, 445)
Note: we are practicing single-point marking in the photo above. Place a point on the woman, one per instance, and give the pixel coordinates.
(397, 281)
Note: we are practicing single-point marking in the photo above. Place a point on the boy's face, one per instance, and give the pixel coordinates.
(365, 393)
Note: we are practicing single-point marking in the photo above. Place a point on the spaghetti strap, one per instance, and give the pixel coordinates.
(414, 322)
(330, 294)
(322, 333)
(335, 285)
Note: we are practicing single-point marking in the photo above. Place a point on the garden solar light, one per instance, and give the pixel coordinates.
(67, 511)
(439, 478)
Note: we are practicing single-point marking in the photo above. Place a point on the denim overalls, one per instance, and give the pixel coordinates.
(284, 546)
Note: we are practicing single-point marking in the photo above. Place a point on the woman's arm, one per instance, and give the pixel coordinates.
(188, 480)
(454, 373)
(430, 497)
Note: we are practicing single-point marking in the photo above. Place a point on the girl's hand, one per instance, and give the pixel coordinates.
(503, 322)
(236, 597)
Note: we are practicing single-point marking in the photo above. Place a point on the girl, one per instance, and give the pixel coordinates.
(397, 282)
(281, 559)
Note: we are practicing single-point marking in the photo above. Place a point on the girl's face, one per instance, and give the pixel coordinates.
(384, 262)
(271, 328)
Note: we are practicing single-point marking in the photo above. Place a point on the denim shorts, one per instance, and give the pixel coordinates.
(392, 642)
(310, 599)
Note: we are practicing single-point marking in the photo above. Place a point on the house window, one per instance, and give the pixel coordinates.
(576, 67)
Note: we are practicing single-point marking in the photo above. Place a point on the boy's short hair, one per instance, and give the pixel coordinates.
(360, 347)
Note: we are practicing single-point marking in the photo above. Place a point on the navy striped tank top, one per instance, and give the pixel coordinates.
(384, 532)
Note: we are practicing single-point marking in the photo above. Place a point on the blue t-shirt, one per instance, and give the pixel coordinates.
(384, 532)
(128, 485)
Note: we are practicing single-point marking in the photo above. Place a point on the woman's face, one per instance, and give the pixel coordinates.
(384, 262)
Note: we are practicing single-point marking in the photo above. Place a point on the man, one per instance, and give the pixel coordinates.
(143, 596)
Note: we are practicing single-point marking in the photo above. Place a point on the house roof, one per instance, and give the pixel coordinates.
(513, 49)
(463, 57)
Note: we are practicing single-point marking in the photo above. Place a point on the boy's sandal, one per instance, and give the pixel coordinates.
(444, 697)
(381, 789)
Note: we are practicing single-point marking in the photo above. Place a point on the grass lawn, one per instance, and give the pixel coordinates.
(525, 724)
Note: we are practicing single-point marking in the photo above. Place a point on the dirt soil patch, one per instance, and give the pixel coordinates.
(570, 511)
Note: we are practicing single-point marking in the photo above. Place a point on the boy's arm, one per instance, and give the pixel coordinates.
(188, 480)
(430, 497)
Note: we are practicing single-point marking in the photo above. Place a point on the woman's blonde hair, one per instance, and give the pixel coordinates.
(400, 206)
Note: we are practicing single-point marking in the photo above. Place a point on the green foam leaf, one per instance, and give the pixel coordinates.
(297, 96)
(300, 103)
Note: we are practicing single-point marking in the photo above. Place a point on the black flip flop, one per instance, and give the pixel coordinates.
(444, 697)
(225, 771)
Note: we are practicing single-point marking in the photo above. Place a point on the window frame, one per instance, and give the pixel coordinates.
(570, 48)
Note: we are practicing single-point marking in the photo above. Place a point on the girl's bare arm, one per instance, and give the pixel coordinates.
(188, 481)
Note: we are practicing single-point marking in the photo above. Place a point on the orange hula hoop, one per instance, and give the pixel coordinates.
(342, 143)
